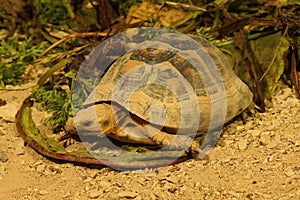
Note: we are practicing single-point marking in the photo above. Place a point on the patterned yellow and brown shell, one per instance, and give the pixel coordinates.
(159, 83)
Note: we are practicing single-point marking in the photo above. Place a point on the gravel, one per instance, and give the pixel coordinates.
(256, 160)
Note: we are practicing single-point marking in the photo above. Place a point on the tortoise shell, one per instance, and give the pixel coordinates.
(177, 83)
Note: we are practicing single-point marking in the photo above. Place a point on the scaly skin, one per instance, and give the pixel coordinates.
(131, 130)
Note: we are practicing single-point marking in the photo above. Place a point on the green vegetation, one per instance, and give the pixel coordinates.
(56, 101)
(14, 56)
(32, 26)
(56, 12)
(125, 5)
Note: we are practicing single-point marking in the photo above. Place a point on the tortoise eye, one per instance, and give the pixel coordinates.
(87, 123)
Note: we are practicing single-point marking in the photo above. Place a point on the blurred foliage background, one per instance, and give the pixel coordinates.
(45, 41)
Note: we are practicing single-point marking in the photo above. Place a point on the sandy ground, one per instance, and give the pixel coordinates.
(256, 160)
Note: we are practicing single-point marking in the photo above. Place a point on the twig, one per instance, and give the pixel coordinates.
(88, 34)
(294, 74)
(185, 6)
(249, 55)
(16, 89)
(274, 55)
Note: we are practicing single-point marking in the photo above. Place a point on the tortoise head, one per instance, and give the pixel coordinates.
(96, 119)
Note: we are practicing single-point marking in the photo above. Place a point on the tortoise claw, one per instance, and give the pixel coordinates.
(197, 152)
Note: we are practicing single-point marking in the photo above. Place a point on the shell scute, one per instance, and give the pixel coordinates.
(172, 75)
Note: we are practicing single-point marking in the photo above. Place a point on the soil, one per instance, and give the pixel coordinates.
(258, 159)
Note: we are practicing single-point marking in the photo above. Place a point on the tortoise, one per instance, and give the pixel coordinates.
(165, 92)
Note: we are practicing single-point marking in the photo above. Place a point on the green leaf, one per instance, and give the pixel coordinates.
(269, 51)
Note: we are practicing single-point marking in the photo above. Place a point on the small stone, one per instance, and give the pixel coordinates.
(242, 143)
(277, 138)
(94, 193)
(138, 197)
(19, 151)
(290, 133)
(296, 177)
(284, 197)
(66, 194)
(126, 194)
(113, 196)
(55, 169)
(171, 179)
(240, 128)
(249, 124)
(255, 133)
(228, 143)
(292, 102)
(40, 168)
(2, 169)
(93, 174)
(2, 132)
(87, 179)
(43, 192)
(104, 184)
(37, 163)
(3, 157)
(265, 138)
(272, 145)
(9, 111)
(47, 172)
(87, 187)
(290, 173)
(226, 160)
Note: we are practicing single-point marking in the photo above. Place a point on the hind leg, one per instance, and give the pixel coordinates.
(171, 141)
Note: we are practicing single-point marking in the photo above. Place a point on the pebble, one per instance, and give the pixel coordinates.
(243, 143)
(168, 184)
(2, 132)
(127, 194)
(255, 133)
(9, 111)
(104, 184)
(289, 133)
(39, 162)
(290, 173)
(3, 157)
(19, 150)
(113, 196)
(2, 169)
(226, 160)
(55, 169)
(93, 174)
(171, 179)
(284, 197)
(265, 138)
(43, 192)
(94, 193)
(66, 194)
(40, 168)
(240, 128)
(293, 102)
(272, 145)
